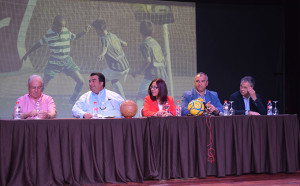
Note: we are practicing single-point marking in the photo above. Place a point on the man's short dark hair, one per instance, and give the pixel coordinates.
(248, 79)
(146, 28)
(101, 77)
(99, 24)
(58, 19)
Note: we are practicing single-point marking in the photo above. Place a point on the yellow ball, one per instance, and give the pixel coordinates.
(196, 107)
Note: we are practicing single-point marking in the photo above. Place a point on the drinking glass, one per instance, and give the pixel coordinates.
(275, 110)
(231, 110)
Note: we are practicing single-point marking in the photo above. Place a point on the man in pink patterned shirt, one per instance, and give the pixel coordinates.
(35, 104)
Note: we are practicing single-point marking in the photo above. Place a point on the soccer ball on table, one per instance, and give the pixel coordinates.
(196, 107)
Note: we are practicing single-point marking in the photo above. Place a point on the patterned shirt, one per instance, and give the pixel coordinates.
(115, 56)
(59, 44)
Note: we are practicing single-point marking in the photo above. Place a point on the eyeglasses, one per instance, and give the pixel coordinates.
(151, 87)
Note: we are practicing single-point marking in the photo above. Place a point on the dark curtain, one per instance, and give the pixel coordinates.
(81, 152)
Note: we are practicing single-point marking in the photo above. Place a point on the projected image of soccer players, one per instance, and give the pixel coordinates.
(58, 39)
(154, 61)
(112, 51)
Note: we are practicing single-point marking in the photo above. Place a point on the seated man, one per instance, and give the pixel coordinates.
(211, 99)
(35, 104)
(106, 100)
(246, 101)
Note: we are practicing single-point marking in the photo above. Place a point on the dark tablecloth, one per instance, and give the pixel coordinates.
(79, 151)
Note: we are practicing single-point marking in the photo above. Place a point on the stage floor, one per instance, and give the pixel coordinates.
(249, 179)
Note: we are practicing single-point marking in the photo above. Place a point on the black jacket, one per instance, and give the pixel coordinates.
(239, 105)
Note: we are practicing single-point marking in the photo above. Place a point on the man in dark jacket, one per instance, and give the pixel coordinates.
(246, 101)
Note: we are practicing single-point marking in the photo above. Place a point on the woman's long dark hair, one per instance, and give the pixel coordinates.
(163, 90)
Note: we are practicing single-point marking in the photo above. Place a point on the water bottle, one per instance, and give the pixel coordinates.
(95, 110)
(178, 108)
(225, 107)
(269, 108)
(17, 111)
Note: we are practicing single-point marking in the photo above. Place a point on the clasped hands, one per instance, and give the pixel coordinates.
(41, 114)
(162, 113)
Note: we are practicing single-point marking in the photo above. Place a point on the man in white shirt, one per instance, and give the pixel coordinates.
(108, 101)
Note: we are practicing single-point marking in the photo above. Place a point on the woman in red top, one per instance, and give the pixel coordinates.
(157, 99)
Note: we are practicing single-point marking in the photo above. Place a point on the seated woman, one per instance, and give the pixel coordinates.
(158, 96)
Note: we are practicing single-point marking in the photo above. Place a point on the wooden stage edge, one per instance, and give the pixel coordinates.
(248, 179)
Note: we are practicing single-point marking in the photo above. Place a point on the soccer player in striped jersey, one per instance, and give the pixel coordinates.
(154, 61)
(58, 39)
(112, 51)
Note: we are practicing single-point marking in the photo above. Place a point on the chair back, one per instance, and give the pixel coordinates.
(141, 112)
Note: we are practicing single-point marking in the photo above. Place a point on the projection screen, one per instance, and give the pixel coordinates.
(24, 22)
